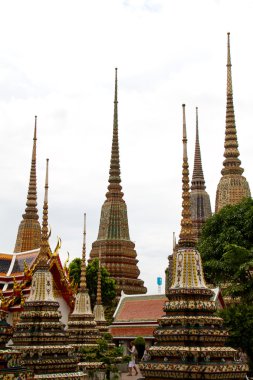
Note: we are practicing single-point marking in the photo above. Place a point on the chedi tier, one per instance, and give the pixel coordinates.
(117, 250)
(190, 339)
(10, 367)
(233, 186)
(39, 334)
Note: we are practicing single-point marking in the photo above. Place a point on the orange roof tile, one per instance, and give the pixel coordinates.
(140, 308)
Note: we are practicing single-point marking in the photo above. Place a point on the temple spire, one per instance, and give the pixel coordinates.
(29, 232)
(198, 181)
(44, 247)
(113, 236)
(186, 238)
(114, 173)
(83, 284)
(200, 200)
(31, 211)
(232, 187)
(231, 153)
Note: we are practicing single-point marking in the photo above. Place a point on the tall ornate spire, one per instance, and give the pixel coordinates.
(186, 238)
(83, 262)
(117, 250)
(114, 173)
(200, 200)
(231, 153)
(31, 211)
(190, 338)
(29, 232)
(232, 187)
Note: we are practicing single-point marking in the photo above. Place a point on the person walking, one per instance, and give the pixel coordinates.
(133, 352)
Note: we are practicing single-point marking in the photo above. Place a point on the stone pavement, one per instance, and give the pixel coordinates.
(124, 376)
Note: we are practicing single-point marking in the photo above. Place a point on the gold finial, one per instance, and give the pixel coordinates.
(83, 262)
(65, 267)
(57, 248)
(186, 238)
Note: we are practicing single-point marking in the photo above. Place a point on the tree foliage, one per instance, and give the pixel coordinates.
(139, 343)
(107, 283)
(239, 322)
(226, 248)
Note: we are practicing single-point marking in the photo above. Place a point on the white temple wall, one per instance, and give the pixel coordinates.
(64, 308)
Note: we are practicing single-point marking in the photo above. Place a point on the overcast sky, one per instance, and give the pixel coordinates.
(57, 61)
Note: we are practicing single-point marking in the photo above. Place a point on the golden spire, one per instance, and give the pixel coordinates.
(198, 181)
(99, 297)
(29, 231)
(114, 177)
(31, 211)
(186, 238)
(231, 153)
(44, 253)
(83, 286)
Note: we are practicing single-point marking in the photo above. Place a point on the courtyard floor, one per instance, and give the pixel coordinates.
(124, 376)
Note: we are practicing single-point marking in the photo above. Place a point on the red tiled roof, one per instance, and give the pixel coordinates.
(143, 308)
(132, 331)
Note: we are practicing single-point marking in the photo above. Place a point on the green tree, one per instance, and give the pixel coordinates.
(139, 343)
(226, 245)
(75, 270)
(107, 283)
(239, 322)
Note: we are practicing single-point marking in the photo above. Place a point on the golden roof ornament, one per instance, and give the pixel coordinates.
(57, 248)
